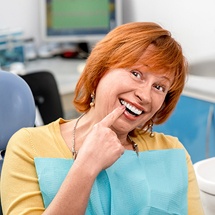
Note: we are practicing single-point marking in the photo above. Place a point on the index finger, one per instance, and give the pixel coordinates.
(112, 116)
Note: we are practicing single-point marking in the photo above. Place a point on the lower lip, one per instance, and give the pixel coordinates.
(129, 116)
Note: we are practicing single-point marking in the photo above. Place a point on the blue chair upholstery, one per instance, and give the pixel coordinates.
(17, 108)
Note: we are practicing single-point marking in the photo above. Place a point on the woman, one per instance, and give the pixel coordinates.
(109, 161)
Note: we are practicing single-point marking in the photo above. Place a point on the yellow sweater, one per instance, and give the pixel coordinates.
(20, 191)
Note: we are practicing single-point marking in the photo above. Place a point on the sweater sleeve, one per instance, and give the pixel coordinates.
(20, 193)
(194, 201)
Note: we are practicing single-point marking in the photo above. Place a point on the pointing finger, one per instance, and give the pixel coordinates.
(111, 117)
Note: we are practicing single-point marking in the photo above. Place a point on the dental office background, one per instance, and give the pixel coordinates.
(192, 22)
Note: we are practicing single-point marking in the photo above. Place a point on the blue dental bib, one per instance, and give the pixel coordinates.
(153, 183)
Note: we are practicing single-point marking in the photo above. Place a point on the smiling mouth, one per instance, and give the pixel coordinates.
(131, 109)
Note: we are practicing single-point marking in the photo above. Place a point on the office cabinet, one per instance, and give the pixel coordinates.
(193, 122)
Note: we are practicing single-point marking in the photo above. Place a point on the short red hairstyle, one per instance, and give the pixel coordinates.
(122, 48)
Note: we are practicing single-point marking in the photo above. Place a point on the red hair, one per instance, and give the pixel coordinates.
(122, 48)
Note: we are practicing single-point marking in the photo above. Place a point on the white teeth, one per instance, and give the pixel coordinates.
(131, 108)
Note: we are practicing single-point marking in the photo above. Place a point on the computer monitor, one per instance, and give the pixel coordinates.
(80, 21)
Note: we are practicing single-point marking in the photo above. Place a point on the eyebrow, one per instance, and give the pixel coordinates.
(168, 79)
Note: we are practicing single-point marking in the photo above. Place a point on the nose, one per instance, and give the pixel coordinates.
(144, 94)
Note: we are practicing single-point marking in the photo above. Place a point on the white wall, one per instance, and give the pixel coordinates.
(22, 14)
(192, 22)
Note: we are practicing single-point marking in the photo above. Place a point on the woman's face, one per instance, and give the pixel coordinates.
(141, 91)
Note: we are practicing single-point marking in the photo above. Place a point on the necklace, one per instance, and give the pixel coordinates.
(135, 146)
(75, 153)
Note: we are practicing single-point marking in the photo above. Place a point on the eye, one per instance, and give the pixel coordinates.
(160, 88)
(136, 74)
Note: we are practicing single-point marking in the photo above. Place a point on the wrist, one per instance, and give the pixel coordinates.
(87, 168)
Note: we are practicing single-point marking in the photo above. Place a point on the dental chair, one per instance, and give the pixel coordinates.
(17, 109)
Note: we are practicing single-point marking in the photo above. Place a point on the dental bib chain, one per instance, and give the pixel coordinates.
(75, 153)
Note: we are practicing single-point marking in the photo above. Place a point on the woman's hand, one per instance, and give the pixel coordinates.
(101, 147)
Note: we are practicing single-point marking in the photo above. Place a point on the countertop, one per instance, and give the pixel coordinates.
(200, 87)
(66, 71)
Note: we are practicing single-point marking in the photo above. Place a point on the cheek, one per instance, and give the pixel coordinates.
(107, 98)
(158, 103)
(110, 88)
(103, 94)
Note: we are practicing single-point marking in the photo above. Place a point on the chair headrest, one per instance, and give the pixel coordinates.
(17, 107)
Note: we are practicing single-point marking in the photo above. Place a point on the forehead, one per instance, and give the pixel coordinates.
(153, 62)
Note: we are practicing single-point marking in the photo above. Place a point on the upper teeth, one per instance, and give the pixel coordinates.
(131, 108)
